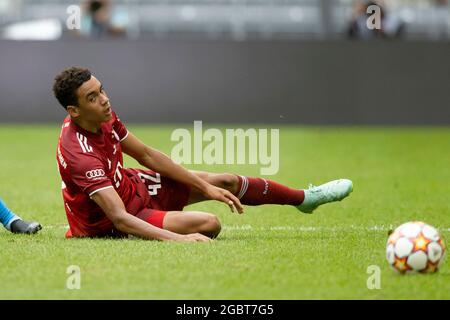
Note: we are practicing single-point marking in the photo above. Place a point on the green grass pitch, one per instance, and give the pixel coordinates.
(270, 252)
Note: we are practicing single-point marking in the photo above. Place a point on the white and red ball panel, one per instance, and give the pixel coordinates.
(430, 233)
(435, 252)
(417, 261)
(410, 229)
(403, 247)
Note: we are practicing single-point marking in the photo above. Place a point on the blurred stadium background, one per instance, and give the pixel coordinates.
(247, 61)
(238, 19)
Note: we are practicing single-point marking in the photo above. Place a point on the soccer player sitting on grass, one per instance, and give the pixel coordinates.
(103, 199)
(14, 223)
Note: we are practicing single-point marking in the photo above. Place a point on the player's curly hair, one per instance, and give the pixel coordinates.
(67, 83)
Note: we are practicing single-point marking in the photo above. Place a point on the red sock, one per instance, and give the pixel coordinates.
(256, 191)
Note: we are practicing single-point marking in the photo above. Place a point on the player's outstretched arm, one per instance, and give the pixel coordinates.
(113, 206)
(159, 162)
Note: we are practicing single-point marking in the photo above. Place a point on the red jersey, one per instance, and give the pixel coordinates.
(88, 163)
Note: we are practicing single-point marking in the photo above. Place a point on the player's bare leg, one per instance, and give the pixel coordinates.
(186, 222)
(226, 181)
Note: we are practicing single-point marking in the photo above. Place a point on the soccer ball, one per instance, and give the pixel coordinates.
(415, 247)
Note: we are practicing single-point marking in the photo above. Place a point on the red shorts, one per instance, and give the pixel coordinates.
(155, 195)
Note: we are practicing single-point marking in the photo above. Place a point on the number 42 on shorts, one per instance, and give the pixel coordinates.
(153, 183)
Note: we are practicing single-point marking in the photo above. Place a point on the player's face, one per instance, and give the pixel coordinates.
(93, 103)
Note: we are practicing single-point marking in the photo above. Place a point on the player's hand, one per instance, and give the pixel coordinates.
(225, 196)
(196, 237)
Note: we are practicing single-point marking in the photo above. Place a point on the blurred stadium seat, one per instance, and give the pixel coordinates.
(241, 19)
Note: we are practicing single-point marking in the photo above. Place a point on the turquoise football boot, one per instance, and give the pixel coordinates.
(329, 192)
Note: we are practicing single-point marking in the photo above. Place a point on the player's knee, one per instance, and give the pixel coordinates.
(211, 226)
(229, 181)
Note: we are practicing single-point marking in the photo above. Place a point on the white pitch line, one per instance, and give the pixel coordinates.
(248, 227)
(55, 227)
